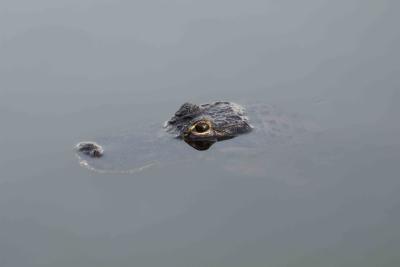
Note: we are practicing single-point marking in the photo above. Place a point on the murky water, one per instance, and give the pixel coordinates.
(78, 70)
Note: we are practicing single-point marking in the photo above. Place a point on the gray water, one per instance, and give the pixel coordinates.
(74, 70)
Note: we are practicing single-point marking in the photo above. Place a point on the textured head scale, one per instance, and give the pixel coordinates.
(208, 123)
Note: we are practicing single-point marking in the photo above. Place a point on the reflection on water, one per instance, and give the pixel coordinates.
(200, 145)
(330, 198)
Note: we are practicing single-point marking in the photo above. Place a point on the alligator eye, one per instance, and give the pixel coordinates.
(202, 127)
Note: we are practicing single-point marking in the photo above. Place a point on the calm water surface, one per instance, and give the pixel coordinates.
(76, 70)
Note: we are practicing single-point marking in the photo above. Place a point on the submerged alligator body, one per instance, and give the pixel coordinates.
(200, 126)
